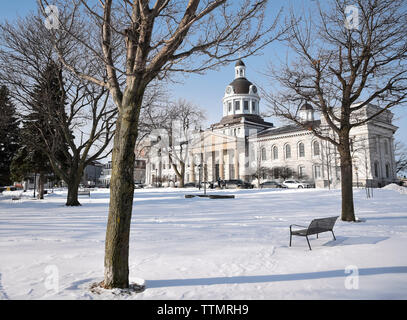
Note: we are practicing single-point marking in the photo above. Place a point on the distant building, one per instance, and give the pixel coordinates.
(242, 141)
(139, 173)
(91, 174)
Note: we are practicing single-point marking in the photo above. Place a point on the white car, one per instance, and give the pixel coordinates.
(295, 184)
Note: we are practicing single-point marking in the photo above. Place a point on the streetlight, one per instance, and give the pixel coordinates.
(156, 177)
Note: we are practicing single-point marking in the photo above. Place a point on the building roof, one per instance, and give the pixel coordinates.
(306, 106)
(240, 63)
(289, 129)
(237, 118)
(241, 85)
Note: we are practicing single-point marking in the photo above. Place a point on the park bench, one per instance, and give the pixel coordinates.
(16, 198)
(316, 226)
(84, 193)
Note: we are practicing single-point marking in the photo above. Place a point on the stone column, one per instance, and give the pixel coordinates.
(221, 165)
(192, 167)
(236, 162)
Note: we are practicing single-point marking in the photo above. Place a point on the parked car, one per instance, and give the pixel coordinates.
(295, 184)
(190, 185)
(272, 184)
(138, 185)
(235, 184)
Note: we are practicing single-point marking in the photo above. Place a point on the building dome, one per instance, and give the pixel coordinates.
(241, 96)
(306, 106)
(306, 112)
(241, 86)
(240, 63)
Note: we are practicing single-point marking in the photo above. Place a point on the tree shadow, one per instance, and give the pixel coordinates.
(151, 284)
(346, 241)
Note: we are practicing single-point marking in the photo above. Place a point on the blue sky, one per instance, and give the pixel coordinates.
(207, 90)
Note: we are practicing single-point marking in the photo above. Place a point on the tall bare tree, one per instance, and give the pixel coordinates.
(137, 42)
(344, 57)
(86, 124)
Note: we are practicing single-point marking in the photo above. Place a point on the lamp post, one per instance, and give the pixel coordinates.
(156, 178)
(200, 176)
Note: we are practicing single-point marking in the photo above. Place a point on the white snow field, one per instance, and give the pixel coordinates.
(208, 249)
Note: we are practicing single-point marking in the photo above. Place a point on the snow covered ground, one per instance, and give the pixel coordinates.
(208, 249)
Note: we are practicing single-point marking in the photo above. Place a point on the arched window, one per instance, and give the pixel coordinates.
(301, 150)
(263, 154)
(275, 153)
(316, 148)
(287, 151)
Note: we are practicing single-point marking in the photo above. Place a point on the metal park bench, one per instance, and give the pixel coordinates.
(84, 193)
(316, 226)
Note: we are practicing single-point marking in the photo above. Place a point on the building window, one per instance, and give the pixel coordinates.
(301, 150)
(275, 153)
(376, 169)
(263, 154)
(287, 151)
(230, 106)
(387, 170)
(301, 172)
(316, 148)
(386, 147)
(237, 105)
(246, 105)
(253, 106)
(317, 172)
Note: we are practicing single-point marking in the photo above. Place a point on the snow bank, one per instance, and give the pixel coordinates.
(396, 187)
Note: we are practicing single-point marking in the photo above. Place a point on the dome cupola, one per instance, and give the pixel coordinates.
(241, 96)
(306, 112)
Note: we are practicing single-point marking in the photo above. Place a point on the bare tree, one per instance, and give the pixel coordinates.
(183, 119)
(400, 150)
(85, 126)
(341, 68)
(137, 42)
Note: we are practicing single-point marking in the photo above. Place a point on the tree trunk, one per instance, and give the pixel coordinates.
(182, 175)
(72, 198)
(348, 211)
(41, 182)
(121, 198)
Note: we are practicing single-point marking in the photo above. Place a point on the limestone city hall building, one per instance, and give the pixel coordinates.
(243, 143)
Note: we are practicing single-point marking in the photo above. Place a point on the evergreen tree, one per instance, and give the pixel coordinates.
(9, 135)
(42, 126)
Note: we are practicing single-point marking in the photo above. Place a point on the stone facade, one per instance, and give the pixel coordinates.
(242, 145)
